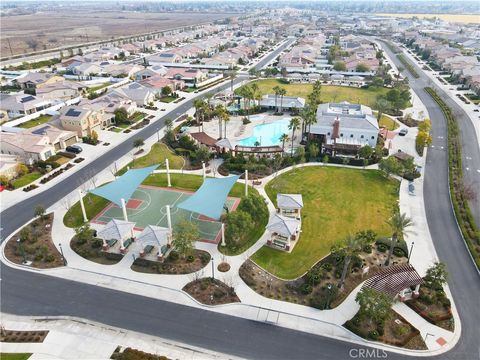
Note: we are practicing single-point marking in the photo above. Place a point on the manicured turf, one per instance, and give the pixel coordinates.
(34, 122)
(337, 202)
(386, 122)
(95, 204)
(157, 155)
(26, 179)
(98, 87)
(167, 99)
(329, 93)
(14, 356)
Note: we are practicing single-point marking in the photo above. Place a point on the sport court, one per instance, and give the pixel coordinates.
(147, 206)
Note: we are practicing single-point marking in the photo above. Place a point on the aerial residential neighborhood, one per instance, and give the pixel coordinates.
(239, 180)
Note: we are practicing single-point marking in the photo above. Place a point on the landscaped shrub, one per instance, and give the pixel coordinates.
(306, 289)
(327, 266)
(399, 252)
(190, 258)
(401, 245)
(173, 255)
(382, 248)
(373, 335)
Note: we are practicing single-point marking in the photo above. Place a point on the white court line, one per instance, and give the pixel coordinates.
(171, 206)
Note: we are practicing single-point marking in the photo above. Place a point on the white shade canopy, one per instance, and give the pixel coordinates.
(116, 229)
(154, 235)
(283, 225)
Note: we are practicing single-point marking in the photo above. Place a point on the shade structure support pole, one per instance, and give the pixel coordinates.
(82, 205)
(169, 222)
(124, 209)
(246, 182)
(168, 173)
(204, 170)
(223, 235)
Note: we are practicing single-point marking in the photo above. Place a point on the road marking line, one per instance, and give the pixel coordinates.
(467, 168)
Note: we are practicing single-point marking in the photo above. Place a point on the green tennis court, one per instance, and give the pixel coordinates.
(147, 206)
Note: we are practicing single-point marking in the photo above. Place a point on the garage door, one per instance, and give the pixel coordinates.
(71, 141)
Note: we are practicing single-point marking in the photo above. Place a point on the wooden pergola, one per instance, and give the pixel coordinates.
(396, 280)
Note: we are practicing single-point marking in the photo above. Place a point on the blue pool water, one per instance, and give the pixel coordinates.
(267, 134)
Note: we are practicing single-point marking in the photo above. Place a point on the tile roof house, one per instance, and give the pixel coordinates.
(35, 80)
(22, 104)
(157, 83)
(82, 120)
(165, 58)
(345, 127)
(189, 76)
(150, 71)
(61, 90)
(136, 92)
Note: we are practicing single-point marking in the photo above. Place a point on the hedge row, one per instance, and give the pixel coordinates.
(460, 204)
(408, 66)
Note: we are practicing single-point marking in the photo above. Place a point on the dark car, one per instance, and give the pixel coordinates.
(74, 149)
(403, 132)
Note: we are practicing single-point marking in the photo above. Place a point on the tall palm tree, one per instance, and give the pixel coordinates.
(198, 105)
(399, 223)
(282, 92)
(226, 119)
(276, 90)
(351, 246)
(219, 113)
(283, 138)
(255, 90)
(294, 125)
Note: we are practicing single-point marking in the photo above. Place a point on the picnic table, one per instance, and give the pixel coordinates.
(148, 249)
(111, 242)
(127, 243)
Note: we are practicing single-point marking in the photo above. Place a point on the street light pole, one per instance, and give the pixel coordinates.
(213, 269)
(410, 253)
(22, 249)
(327, 304)
(63, 257)
(158, 134)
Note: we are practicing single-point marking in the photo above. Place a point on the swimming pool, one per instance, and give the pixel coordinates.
(267, 134)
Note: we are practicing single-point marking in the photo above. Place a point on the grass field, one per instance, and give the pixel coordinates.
(26, 179)
(458, 18)
(14, 356)
(98, 87)
(329, 93)
(95, 204)
(386, 122)
(34, 122)
(157, 155)
(337, 202)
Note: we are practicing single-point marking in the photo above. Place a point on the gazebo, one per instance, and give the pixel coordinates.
(396, 281)
(117, 231)
(153, 236)
(283, 231)
(290, 205)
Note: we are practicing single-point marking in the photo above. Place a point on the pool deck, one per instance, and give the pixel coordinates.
(236, 131)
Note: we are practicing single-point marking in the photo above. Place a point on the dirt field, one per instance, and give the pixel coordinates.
(54, 29)
(454, 18)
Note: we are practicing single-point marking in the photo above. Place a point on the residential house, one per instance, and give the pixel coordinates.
(86, 69)
(8, 165)
(165, 58)
(136, 92)
(191, 77)
(61, 90)
(344, 127)
(36, 80)
(22, 104)
(82, 120)
(37, 143)
(157, 83)
(121, 70)
(150, 71)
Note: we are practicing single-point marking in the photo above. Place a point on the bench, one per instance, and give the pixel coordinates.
(127, 243)
(111, 242)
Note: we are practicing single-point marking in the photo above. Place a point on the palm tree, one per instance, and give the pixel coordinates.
(282, 92)
(294, 125)
(276, 89)
(351, 246)
(226, 119)
(382, 105)
(219, 113)
(255, 92)
(198, 105)
(398, 222)
(283, 139)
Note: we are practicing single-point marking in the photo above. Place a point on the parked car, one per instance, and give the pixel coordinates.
(411, 188)
(476, 110)
(403, 132)
(74, 149)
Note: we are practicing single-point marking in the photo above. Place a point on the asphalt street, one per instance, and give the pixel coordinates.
(27, 293)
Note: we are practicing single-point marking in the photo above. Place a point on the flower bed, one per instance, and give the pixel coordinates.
(210, 291)
(173, 263)
(408, 66)
(91, 249)
(31, 336)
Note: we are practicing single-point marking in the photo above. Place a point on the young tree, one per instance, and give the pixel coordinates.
(184, 235)
(425, 125)
(436, 276)
(94, 137)
(138, 142)
(351, 246)
(362, 68)
(202, 153)
(325, 159)
(25, 234)
(339, 66)
(238, 225)
(381, 105)
(121, 116)
(399, 223)
(374, 305)
(313, 150)
(283, 139)
(168, 124)
(39, 211)
(365, 152)
(166, 91)
(21, 169)
(389, 166)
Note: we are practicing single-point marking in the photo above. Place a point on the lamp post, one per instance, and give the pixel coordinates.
(410, 253)
(22, 249)
(158, 134)
(213, 269)
(327, 304)
(63, 257)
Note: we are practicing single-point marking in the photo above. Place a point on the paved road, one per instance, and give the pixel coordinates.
(36, 294)
(464, 280)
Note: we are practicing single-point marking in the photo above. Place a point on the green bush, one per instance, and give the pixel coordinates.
(306, 289)
(327, 266)
(173, 255)
(373, 335)
(190, 258)
(382, 248)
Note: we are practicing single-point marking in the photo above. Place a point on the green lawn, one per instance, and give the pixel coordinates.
(167, 99)
(98, 87)
(386, 122)
(94, 204)
(14, 356)
(329, 93)
(337, 202)
(26, 179)
(157, 155)
(34, 122)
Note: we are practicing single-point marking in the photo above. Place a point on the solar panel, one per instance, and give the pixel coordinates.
(27, 99)
(41, 130)
(73, 113)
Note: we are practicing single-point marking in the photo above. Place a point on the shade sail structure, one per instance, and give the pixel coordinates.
(124, 186)
(210, 198)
